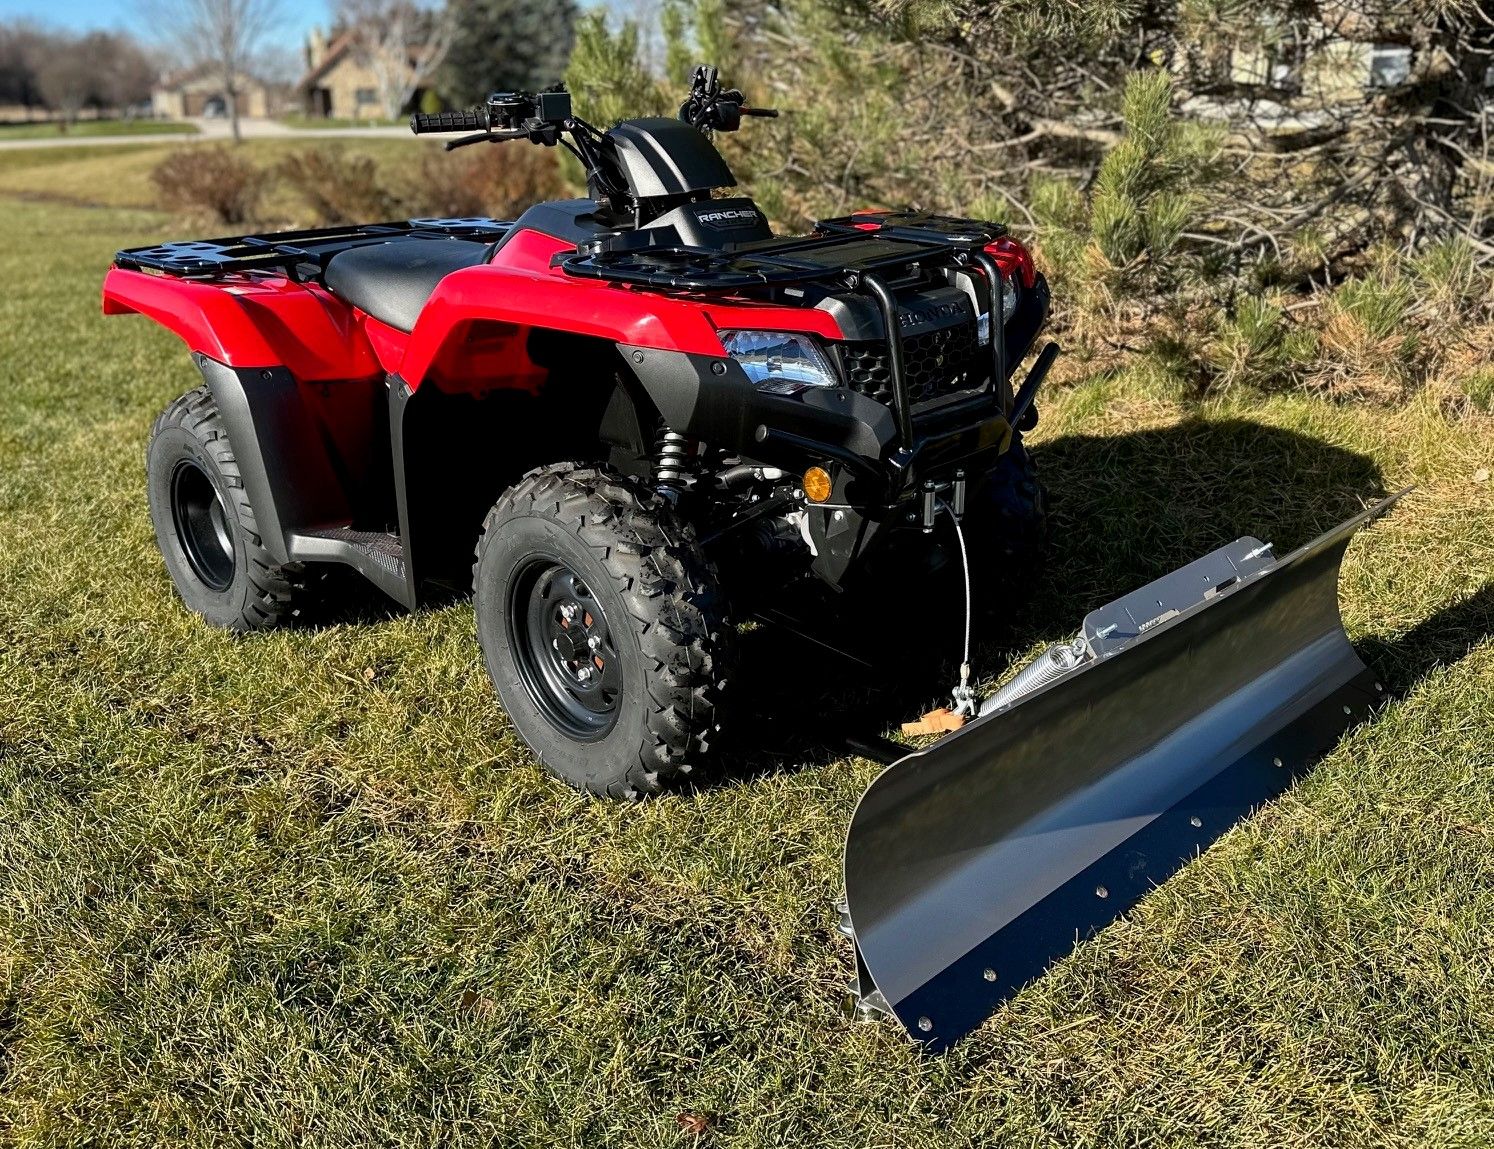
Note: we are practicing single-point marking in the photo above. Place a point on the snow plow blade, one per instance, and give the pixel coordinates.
(974, 864)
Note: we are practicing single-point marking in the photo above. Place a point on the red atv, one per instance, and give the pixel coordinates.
(648, 415)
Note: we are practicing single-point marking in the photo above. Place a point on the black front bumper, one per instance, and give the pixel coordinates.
(939, 445)
(880, 456)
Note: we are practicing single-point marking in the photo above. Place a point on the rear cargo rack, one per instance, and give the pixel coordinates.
(286, 252)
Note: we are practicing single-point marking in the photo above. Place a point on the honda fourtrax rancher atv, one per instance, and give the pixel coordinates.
(648, 417)
(640, 409)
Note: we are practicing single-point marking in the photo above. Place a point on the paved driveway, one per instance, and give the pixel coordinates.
(215, 130)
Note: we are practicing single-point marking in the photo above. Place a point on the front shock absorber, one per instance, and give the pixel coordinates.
(673, 462)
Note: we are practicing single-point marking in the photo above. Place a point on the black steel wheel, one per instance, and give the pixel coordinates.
(205, 525)
(563, 649)
(201, 523)
(602, 628)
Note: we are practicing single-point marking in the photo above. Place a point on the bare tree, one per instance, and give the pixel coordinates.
(224, 35)
(67, 76)
(401, 42)
(127, 73)
(23, 47)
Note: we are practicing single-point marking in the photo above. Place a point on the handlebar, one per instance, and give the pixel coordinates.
(712, 108)
(472, 120)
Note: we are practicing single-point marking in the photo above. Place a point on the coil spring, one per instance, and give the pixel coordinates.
(672, 460)
(1051, 665)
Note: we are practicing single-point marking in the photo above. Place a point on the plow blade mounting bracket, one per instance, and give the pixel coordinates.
(974, 864)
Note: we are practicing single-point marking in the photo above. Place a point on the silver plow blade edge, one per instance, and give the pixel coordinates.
(974, 864)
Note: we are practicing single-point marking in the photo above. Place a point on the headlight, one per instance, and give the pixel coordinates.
(779, 362)
(1008, 308)
(1008, 296)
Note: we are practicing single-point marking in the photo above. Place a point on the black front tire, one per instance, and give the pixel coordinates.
(205, 525)
(602, 628)
(1006, 528)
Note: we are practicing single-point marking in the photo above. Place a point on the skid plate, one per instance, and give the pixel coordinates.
(973, 865)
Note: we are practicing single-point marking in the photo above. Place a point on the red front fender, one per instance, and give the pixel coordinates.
(521, 289)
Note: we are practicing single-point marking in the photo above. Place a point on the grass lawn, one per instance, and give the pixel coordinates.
(118, 175)
(43, 130)
(308, 887)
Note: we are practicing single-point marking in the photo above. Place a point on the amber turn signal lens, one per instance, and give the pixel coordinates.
(816, 484)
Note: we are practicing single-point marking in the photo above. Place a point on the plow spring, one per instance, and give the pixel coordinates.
(973, 865)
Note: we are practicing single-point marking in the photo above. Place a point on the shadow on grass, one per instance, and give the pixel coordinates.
(1123, 510)
(346, 598)
(1439, 640)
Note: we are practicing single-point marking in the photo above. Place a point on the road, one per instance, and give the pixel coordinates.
(214, 130)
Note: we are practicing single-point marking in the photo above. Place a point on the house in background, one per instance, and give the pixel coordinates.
(338, 84)
(1307, 76)
(1333, 69)
(199, 91)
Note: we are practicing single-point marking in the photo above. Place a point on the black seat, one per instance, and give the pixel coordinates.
(392, 281)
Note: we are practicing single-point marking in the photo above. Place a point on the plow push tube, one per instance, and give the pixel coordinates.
(974, 864)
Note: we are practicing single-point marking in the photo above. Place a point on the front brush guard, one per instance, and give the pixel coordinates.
(973, 865)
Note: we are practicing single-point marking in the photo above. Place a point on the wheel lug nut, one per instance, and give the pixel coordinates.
(584, 673)
(594, 642)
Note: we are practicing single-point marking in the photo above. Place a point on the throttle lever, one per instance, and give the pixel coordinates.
(482, 137)
(451, 145)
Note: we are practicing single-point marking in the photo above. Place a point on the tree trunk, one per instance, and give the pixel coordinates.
(231, 89)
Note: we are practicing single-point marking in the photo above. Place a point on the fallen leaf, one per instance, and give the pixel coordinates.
(695, 1124)
(368, 674)
(1481, 475)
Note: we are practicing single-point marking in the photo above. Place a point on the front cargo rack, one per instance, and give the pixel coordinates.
(923, 227)
(691, 269)
(288, 252)
(864, 243)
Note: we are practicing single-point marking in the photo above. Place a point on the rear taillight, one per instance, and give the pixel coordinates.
(1014, 260)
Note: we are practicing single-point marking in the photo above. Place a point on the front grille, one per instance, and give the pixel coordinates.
(937, 363)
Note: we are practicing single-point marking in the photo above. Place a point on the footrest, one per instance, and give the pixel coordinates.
(380, 547)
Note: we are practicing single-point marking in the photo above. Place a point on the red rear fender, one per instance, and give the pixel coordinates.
(262, 322)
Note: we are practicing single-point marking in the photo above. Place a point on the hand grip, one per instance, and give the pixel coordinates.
(765, 113)
(472, 120)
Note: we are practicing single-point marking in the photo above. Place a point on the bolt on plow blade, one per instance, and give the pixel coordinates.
(974, 864)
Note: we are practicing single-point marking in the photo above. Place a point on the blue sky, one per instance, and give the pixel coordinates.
(82, 15)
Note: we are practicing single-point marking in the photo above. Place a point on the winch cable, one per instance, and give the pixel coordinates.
(963, 694)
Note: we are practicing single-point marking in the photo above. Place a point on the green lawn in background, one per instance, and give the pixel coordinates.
(308, 888)
(118, 175)
(50, 129)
